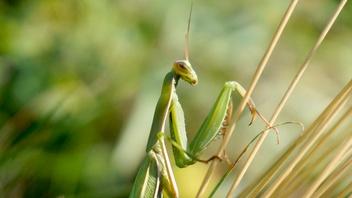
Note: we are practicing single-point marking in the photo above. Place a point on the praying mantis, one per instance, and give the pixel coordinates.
(155, 175)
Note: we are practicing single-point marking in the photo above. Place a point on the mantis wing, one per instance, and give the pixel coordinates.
(152, 178)
(147, 182)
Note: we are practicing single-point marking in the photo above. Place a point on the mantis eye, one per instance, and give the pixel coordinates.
(182, 66)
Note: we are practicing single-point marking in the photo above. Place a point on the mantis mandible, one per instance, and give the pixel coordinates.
(155, 175)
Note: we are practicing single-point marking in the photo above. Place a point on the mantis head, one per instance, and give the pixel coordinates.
(183, 68)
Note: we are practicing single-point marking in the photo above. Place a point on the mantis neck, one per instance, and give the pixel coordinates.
(176, 78)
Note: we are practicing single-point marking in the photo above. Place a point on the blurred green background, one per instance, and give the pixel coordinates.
(79, 81)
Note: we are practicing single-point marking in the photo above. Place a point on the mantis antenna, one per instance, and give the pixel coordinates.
(186, 50)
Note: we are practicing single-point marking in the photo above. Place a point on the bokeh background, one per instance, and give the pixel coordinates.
(79, 81)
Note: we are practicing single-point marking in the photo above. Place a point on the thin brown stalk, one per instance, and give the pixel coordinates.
(334, 177)
(347, 191)
(300, 176)
(285, 97)
(258, 73)
(310, 160)
(329, 168)
(337, 186)
(304, 176)
(339, 104)
(307, 135)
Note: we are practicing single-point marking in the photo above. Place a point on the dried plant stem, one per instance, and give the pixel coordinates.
(329, 168)
(309, 161)
(285, 97)
(258, 73)
(341, 99)
(334, 177)
(283, 161)
(299, 177)
(313, 168)
(345, 192)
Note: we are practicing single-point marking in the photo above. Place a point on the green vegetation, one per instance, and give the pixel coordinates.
(79, 81)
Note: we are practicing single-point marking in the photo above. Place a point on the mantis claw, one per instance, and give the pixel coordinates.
(252, 118)
(211, 159)
(253, 111)
(218, 157)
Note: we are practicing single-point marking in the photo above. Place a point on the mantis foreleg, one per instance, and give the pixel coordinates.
(209, 129)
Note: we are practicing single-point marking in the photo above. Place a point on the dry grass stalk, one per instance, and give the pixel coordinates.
(284, 166)
(336, 185)
(285, 160)
(258, 73)
(319, 154)
(318, 130)
(302, 179)
(345, 192)
(335, 176)
(286, 96)
(339, 186)
(329, 169)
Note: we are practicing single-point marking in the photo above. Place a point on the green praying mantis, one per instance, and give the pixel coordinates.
(155, 175)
